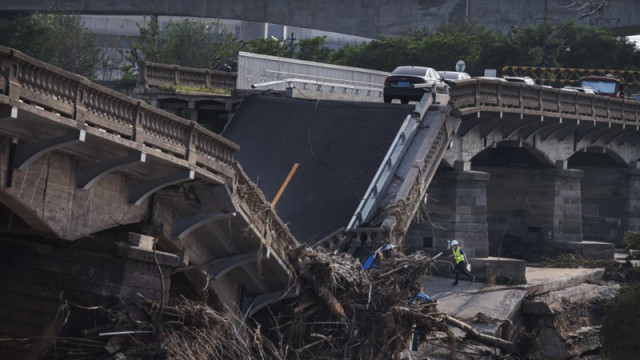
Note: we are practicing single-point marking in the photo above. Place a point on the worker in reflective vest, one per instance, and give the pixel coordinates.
(461, 262)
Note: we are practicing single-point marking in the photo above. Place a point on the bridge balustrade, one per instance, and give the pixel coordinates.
(531, 97)
(548, 101)
(568, 102)
(170, 76)
(29, 81)
(584, 105)
(473, 95)
(512, 97)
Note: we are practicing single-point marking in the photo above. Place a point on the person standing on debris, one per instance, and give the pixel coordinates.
(461, 261)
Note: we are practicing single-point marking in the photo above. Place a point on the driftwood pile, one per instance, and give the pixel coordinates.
(345, 312)
(342, 312)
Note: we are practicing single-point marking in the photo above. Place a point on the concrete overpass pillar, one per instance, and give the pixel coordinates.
(456, 209)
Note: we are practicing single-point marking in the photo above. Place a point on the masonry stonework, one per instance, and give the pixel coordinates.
(528, 209)
(456, 209)
(610, 203)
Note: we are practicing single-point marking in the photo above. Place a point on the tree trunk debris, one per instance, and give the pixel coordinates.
(342, 312)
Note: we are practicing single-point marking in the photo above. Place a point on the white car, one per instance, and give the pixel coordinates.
(449, 76)
(524, 79)
(586, 89)
(490, 78)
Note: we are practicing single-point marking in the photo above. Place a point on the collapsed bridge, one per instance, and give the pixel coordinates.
(106, 186)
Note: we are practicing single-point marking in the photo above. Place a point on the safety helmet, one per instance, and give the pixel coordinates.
(454, 242)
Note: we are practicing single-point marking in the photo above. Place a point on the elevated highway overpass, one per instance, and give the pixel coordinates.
(368, 19)
(497, 165)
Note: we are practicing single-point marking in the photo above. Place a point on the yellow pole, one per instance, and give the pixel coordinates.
(284, 185)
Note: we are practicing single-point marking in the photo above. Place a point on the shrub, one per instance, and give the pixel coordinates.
(631, 239)
(619, 334)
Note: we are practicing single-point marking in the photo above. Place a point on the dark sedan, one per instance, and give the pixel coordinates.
(400, 84)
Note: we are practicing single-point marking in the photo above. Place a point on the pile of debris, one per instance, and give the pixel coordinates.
(343, 311)
(346, 312)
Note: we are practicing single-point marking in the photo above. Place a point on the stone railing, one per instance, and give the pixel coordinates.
(473, 95)
(172, 76)
(32, 82)
(399, 198)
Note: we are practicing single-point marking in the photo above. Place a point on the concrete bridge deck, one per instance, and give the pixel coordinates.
(337, 145)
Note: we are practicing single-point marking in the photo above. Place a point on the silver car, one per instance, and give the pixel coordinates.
(449, 76)
(520, 79)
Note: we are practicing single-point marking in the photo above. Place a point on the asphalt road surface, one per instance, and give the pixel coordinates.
(337, 145)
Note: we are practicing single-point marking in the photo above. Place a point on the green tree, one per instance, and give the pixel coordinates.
(313, 49)
(269, 46)
(572, 45)
(442, 48)
(565, 45)
(594, 48)
(470, 41)
(186, 43)
(384, 53)
(57, 38)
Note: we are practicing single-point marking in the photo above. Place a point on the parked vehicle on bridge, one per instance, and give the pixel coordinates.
(608, 85)
(520, 79)
(400, 84)
(586, 90)
(489, 78)
(449, 76)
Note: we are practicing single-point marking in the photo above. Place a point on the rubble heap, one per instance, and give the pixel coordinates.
(342, 312)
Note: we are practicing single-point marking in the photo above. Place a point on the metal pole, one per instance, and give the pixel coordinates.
(292, 45)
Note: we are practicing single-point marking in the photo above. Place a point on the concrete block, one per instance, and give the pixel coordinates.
(502, 271)
(592, 250)
(142, 241)
(598, 250)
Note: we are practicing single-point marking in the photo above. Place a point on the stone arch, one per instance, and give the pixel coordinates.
(605, 192)
(521, 197)
(213, 114)
(174, 105)
(512, 153)
(614, 157)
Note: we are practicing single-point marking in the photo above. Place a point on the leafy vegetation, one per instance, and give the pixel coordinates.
(186, 42)
(619, 335)
(269, 46)
(631, 239)
(57, 38)
(565, 45)
(61, 40)
(571, 261)
(182, 89)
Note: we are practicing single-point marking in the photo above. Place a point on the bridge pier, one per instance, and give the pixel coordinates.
(567, 205)
(456, 209)
(632, 204)
(611, 201)
(529, 209)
